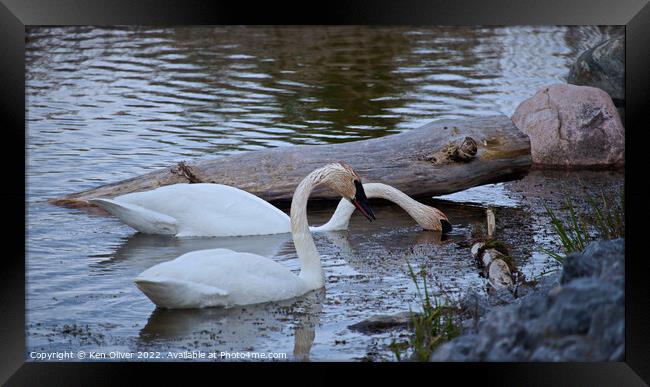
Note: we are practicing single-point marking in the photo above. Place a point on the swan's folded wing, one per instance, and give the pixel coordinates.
(231, 211)
(140, 218)
(176, 293)
(212, 210)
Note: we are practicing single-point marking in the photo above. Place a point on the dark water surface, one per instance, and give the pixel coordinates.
(104, 104)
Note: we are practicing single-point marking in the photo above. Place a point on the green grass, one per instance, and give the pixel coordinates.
(436, 324)
(604, 219)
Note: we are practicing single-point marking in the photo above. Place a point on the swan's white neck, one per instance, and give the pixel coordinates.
(415, 209)
(345, 209)
(311, 270)
(340, 219)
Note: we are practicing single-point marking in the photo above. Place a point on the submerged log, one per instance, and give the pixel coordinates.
(494, 257)
(439, 158)
(494, 262)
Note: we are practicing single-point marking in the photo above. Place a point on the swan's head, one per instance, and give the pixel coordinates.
(433, 219)
(341, 178)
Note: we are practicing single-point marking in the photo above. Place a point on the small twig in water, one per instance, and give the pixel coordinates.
(184, 170)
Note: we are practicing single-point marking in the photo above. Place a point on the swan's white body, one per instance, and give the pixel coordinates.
(219, 210)
(221, 277)
(197, 210)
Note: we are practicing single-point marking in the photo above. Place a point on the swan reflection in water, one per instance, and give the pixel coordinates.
(260, 327)
(141, 251)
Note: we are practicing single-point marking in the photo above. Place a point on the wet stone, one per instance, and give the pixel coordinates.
(583, 319)
(382, 323)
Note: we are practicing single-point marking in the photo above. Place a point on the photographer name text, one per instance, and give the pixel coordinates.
(154, 355)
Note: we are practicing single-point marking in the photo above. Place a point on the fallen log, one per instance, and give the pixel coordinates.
(439, 158)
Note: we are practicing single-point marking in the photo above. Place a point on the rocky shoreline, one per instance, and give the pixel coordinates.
(577, 314)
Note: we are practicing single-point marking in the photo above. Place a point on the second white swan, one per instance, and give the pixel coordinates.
(187, 210)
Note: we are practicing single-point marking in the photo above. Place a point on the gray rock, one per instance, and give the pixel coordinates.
(572, 307)
(474, 305)
(533, 307)
(608, 324)
(601, 260)
(581, 319)
(460, 351)
(569, 348)
(602, 66)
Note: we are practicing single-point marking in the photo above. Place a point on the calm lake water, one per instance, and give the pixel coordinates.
(104, 104)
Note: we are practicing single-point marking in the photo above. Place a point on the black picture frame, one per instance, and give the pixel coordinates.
(16, 14)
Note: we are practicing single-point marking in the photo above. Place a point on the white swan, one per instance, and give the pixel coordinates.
(222, 277)
(219, 210)
(429, 218)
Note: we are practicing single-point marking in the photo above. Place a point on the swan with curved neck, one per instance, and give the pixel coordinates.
(222, 277)
(429, 218)
(219, 210)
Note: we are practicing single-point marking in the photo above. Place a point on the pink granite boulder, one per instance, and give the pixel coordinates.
(572, 126)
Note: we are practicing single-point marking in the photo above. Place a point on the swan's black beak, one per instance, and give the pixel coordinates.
(360, 201)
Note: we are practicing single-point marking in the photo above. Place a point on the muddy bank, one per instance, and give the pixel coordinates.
(575, 315)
